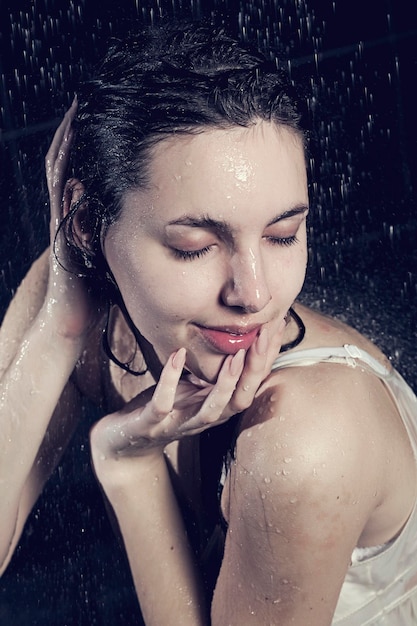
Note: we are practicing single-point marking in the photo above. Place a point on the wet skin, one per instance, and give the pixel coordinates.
(215, 248)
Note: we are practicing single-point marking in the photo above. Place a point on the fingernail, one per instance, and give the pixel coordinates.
(178, 359)
(236, 364)
(262, 342)
(68, 134)
(282, 325)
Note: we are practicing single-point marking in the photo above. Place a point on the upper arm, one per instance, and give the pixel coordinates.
(297, 506)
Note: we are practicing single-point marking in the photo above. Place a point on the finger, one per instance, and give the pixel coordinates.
(252, 375)
(258, 365)
(255, 361)
(56, 160)
(261, 355)
(136, 430)
(213, 408)
(59, 136)
(163, 398)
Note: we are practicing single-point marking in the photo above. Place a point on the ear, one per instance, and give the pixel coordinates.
(81, 222)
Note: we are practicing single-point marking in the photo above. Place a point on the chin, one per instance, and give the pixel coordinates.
(205, 368)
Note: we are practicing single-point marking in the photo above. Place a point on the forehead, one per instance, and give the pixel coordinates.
(235, 159)
(249, 170)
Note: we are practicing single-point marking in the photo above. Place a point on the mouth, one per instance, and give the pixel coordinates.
(229, 340)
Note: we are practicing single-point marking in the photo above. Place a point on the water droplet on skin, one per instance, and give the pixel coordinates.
(287, 459)
(16, 374)
(267, 480)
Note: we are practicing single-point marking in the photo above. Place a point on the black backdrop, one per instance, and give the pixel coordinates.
(359, 61)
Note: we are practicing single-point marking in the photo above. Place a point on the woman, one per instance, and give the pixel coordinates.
(183, 245)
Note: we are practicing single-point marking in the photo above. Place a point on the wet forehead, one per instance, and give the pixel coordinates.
(232, 161)
(253, 173)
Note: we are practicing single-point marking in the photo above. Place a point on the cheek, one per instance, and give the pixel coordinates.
(300, 268)
(289, 275)
(163, 289)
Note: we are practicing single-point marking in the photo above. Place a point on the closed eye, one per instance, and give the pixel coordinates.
(189, 255)
(283, 241)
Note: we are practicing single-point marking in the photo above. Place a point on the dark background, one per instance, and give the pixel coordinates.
(359, 62)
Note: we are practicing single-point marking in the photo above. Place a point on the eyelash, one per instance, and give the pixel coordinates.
(190, 255)
(283, 241)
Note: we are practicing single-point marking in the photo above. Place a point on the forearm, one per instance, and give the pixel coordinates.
(161, 561)
(30, 389)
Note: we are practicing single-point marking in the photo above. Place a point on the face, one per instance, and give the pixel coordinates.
(216, 247)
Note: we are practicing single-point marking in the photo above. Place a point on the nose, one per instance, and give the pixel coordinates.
(246, 286)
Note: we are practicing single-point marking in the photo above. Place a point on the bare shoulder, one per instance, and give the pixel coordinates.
(318, 435)
(314, 421)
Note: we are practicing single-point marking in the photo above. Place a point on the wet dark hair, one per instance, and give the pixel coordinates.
(163, 81)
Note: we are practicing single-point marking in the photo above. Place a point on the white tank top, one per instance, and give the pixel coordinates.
(380, 586)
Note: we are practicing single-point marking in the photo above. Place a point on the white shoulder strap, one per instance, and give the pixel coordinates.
(347, 355)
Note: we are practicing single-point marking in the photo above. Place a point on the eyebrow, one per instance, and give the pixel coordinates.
(223, 226)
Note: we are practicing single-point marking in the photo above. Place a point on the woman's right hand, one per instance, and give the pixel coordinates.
(69, 300)
(180, 407)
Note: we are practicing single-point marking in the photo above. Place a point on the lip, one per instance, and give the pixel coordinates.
(230, 339)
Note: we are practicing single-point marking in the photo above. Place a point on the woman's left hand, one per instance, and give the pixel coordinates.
(178, 407)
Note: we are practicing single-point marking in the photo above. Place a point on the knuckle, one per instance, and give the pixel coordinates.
(158, 413)
(239, 404)
(208, 418)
